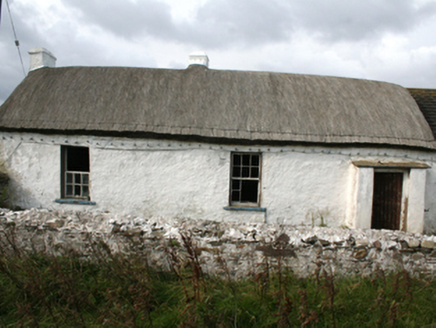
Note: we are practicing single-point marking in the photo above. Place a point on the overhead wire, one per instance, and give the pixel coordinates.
(17, 43)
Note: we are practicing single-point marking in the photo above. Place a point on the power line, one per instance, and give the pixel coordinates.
(17, 43)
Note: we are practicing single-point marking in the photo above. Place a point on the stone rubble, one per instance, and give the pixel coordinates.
(240, 249)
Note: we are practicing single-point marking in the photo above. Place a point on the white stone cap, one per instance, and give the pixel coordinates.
(198, 58)
(41, 57)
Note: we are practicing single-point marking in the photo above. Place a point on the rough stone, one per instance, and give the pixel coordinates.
(282, 239)
(361, 253)
(324, 242)
(404, 244)
(377, 244)
(427, 244)
(391, 244)
(221, 244)
(54, 223)
(362, 242)
(418, 256)
(276, 252)
(311, 240)
(413, 243)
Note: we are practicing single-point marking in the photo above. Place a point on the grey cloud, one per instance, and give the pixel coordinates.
(356, 20)
(243, 22)
(420, 73)
(217, 24)
(9, 79)
(246, 23)
(127, 19)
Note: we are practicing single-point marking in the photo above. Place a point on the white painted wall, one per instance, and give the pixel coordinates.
(34, 175)
(416, 200)
(362, 198)
(305, 188)
(158, 178)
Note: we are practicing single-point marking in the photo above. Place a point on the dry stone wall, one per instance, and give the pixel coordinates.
(221, 247)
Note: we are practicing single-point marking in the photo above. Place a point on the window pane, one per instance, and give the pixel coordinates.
(69, 178)
(85, 179)
(77, 178)
(254, 172)
(77, 159)
(85, 191)
(236, 184)
(246, 160)
(236, 172)
(245, 172)
(69, 191)
(76, 190)
(235, 196)
(236, 159)
(249, 191)
(255, 160)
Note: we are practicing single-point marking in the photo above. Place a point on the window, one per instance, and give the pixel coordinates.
(75, 172)
(245, 179)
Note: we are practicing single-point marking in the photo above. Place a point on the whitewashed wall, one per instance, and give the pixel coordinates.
(158, 178)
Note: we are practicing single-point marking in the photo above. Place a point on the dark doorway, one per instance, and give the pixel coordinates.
(386, 204)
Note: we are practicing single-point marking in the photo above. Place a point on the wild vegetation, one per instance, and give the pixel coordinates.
(115, 290)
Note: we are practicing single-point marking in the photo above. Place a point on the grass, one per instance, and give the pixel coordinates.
(39, 290)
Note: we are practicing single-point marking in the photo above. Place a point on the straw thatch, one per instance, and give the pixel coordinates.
(216, 105)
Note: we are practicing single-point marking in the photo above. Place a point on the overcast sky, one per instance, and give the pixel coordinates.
(387, 40)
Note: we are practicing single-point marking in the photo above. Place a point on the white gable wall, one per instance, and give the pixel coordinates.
(158, 178)
(32, 168)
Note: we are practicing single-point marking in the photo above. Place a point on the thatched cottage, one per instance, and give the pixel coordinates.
(220, 145)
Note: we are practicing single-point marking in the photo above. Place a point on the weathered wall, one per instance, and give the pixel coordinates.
(241, 249)
(157, 178)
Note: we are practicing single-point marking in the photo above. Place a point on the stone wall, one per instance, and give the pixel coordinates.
(221, 247)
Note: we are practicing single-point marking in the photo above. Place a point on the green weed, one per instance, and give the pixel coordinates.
(124, 291)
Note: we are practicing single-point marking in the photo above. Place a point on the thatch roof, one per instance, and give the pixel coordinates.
(426, 100)
(216, 105)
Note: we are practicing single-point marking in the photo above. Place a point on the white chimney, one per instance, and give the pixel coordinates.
(41, 57)
(198, 58)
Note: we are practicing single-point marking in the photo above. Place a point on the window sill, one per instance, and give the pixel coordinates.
(75, 202)
(245, 208)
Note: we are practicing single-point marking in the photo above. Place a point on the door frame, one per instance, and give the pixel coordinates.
(359, 212)
(402, 225)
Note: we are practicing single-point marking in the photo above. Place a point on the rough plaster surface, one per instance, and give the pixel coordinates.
(240, 249)
(160, 178)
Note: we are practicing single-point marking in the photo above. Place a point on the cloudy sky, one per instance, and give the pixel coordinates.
(387, 40)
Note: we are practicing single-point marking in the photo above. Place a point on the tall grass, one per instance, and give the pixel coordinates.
(40, 290)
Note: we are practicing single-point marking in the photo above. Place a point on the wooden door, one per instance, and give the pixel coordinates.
(387, 197)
